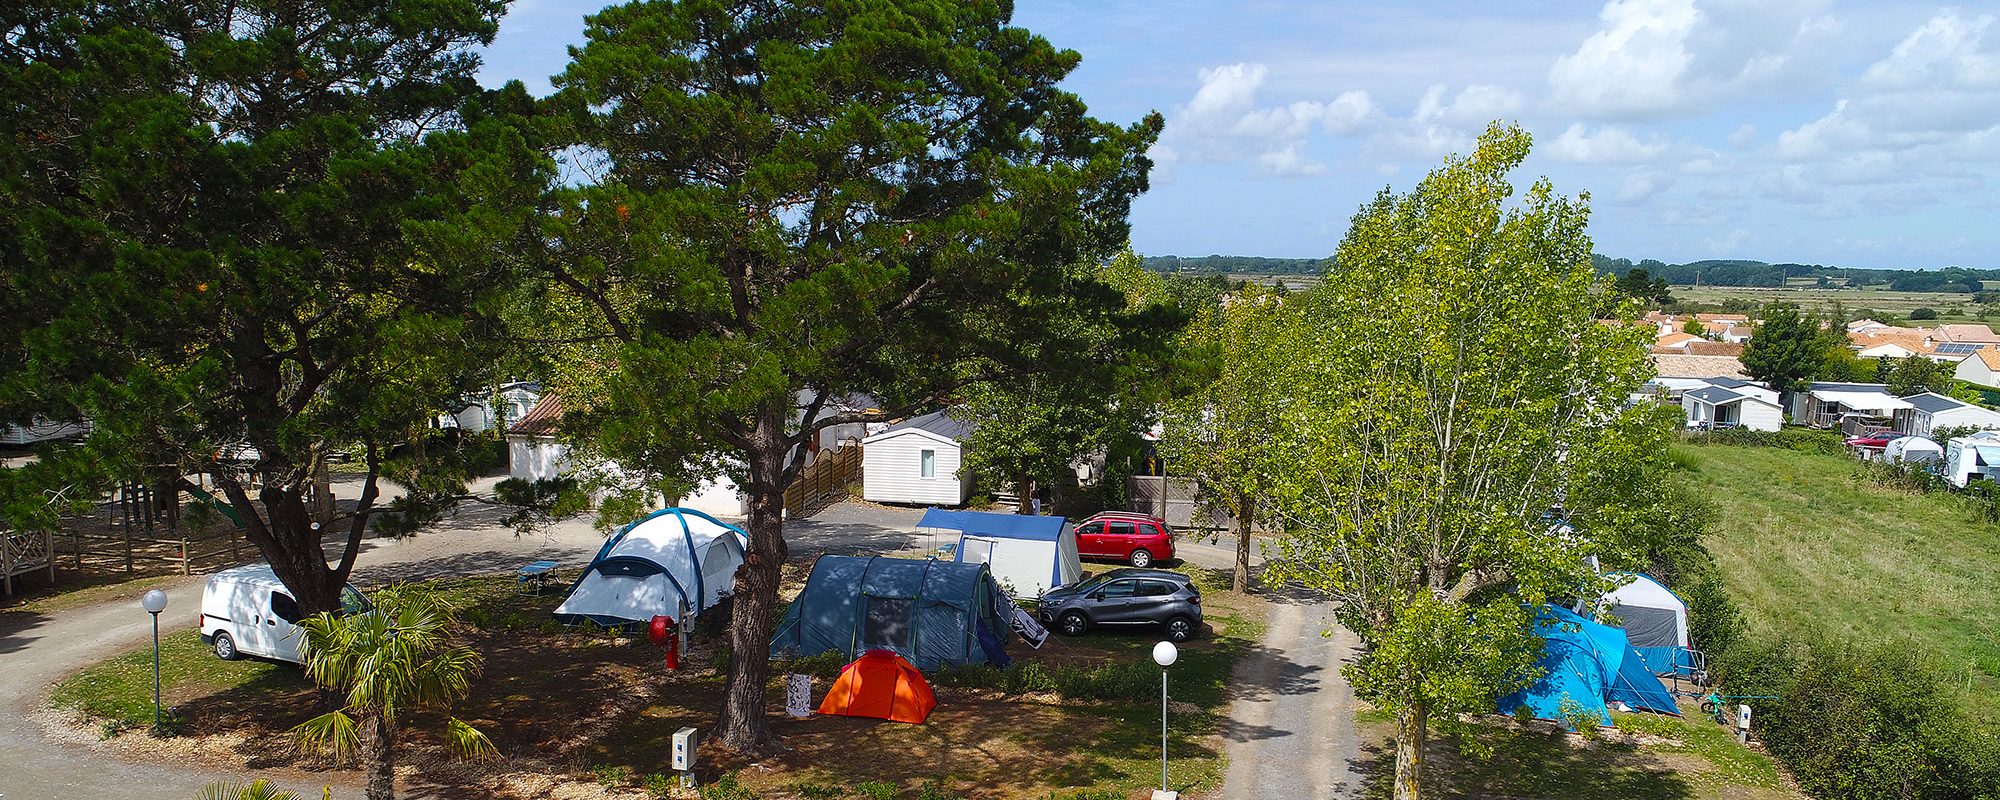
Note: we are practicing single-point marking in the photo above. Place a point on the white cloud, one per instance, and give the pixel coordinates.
(1744, 136)
(1476, 104)
(1922, 115)
(1609, 145)
(1641, 186)
(1651, 59)
(1223, 122)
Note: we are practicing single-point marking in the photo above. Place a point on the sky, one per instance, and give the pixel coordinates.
(1861, 134)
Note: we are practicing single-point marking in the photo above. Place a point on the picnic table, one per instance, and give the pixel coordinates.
(536, 574)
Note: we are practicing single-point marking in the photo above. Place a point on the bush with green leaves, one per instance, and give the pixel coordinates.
(1878, 720)
(1804, 440)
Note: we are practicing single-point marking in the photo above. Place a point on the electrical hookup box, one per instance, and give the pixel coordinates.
(684, 743)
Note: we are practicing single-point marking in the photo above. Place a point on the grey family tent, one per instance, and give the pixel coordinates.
(1029, 554)
(1655, 621)
(649, 567)
(1587, 664)
(932, 613)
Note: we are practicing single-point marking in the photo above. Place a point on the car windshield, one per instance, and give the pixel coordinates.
(352, 602)
(1094, 582)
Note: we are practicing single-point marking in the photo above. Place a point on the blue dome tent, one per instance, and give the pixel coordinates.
(932, 613)
(1589, 664)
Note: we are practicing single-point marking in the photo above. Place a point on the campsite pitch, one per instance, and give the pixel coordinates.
(584, 713)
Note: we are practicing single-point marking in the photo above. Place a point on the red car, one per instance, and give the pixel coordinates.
(1137, 539)
(1877, 440)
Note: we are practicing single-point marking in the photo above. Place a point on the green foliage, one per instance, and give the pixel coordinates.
(1080, 397)
(1693, 326)
(1579, 717)
(1867, 721)
(1637, 284)
(726, 788)
(1804, 440)
(258, 789)
(795, 203)
(612, 776)
(1917, 374)
(396, 658)
(1450, 385)
(1788, 349)
(1224, 265)
(661, 786)
(118, 692)
(878, 790)
(937, 789)
(205, 243)
(1922, 312)
(809, 790)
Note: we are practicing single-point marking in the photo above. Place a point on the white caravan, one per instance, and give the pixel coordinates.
(1970, 458)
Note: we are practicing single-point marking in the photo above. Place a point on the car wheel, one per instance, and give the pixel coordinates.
(1180, 629)
(1141, 558)
(225, 647)
(1073, 623)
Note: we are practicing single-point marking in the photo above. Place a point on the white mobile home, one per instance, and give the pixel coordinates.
(1930, 412)
(917, 461)
(1824, 404)
(533, 453)
(1971, 458)
(1714, 407)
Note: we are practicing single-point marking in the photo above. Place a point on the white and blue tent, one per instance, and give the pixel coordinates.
(1028, 554)
(1655, 621)
(649, 567)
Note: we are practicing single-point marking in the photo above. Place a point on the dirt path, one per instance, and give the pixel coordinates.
(1290, 730)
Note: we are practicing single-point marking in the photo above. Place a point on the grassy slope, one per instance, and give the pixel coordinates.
(1803, 542)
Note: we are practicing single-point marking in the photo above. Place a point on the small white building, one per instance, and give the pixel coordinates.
(1929, 412)
(1715, 407)
(42, 429)
(1826, 403)
(917, 461)
(1982, 367)
(533, 453)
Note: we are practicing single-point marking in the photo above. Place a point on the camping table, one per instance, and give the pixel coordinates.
(536, 573)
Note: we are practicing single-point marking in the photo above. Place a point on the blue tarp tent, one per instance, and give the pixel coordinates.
(932, 613)
(1589, 664)
(1027, 554)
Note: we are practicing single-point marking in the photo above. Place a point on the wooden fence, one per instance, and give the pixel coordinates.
(824, 482)
(22, 553)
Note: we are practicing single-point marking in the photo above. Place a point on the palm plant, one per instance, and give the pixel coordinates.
(259, 789)
(394, 658)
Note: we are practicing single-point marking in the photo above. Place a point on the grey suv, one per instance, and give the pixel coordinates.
(1126, 597)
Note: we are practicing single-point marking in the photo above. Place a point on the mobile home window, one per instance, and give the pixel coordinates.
(927, 463)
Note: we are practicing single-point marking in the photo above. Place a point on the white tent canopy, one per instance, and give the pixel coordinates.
(1027, 554)
(649, 567)
(1651, 614)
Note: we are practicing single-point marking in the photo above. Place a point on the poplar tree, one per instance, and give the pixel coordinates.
(1451, 397)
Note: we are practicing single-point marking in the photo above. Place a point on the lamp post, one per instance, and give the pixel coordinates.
(155, 602)
(1164, 654)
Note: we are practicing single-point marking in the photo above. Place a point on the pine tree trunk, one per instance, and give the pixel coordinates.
(1411, 723)
(1246, 511)
(743, 725)
(378, 740)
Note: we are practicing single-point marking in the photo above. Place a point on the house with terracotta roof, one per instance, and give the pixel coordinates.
(1967, 333)
(1982, 367)
(1675, 342)
(1689, 366)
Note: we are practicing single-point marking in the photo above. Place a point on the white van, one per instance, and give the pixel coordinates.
(247, 611)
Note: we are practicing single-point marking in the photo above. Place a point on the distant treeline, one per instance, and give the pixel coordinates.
(1758, 273)
(1224, 265)
(1705, 273)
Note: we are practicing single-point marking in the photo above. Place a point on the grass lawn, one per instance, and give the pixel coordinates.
(1804, 543)
(118, 694)
(1650, 757)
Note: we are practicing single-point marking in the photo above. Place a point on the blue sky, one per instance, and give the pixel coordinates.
(1849, 133)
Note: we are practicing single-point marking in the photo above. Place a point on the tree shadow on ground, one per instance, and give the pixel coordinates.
(1525, 764)
(17, 629)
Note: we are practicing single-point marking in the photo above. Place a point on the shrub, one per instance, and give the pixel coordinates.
(612, 776)
(1583, 719)
(1880, 721)
(818, 791)
(879, 790)
(726, 788)
(935, 790)
(1804, 440)
(1923, 312)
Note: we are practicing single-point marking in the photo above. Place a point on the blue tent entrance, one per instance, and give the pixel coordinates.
(1589, 664)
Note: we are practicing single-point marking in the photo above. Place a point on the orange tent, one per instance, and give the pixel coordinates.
(882, 685)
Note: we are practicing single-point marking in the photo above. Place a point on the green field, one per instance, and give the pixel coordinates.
(1951, 306)
(1803, 542)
